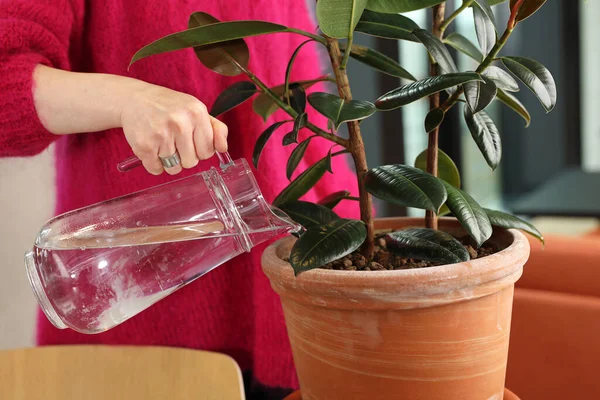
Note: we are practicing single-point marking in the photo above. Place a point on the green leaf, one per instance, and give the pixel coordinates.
(262, 141)
(337, 18)
(437, 50)
(232, 97)
(480, 94)
(390, 26)
(417, 90)
(484, 5)
(508, 221)
(527, 8)
(304, 182)
(296, 157)
(514, 103)
(464, 45)
(495, 2)
(434, 119)
(264, 106)
(406, 186)
(501, 78)
(485, 29)
(536, 77)
(333, 199)
(447, 169)
(428, 245)
(327, 243)
(222, 58)
(207, 35)
(400, 6)
(292, 136)
(309, 215)
(469, 213)
(297, 97)
(379, 61)
(288, 69)
(486, 136)
(338, 110)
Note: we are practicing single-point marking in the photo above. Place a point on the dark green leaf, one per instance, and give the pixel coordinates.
(223, 58)
(262, 141)
(390, 26)
(485, 29)
(379, 61)
(464, 45)
(406, 186)
(437, 50)
(479, 94)
(288, 69)
(514, 103)
(494, 2)
(486, 135)
(264, 106)
(527, 8)
(206, 35)
(332, 200)
(327, 243)
(292, 136)
(501, 78)
(400, 6)
(338, 110)
(536, 77)
(504, 220)
(337, 19)
(232, 97)
(434, 119)
(297, 97)
(304, 182)
(469, 213)
(428, 245)
(417, 90)
(296, 157)
(309, 215)
(447, 169)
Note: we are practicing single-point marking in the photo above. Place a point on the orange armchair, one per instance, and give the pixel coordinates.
(555, 338)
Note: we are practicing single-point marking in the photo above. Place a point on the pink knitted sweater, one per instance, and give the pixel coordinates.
(232, 309)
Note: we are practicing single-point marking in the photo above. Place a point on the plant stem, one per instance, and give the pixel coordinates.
(356, 148)
(318, 38)
(431, 221)
(466, 4)
(290, 111)
(482, 67)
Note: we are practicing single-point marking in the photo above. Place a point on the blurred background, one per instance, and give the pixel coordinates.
(549, 163)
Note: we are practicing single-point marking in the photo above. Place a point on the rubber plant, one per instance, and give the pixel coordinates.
(433, 184)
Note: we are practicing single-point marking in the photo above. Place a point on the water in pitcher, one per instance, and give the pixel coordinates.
(98, 279)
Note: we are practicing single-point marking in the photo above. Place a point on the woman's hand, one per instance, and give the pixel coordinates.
(158, 122)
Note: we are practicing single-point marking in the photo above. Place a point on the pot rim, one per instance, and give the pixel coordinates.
(408, 288)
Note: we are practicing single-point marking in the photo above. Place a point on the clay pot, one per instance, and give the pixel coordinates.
(438, 333)
(508, 395)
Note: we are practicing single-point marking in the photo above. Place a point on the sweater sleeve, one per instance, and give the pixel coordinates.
(32, 32)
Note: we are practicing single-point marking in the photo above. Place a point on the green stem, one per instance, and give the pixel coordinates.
(466, 4)
(347, 52)
(482, 67)
(308, 34)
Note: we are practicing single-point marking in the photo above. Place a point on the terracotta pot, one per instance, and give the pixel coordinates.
(508, 395)
(437, 333)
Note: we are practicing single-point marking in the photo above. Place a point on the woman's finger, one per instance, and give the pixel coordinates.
(184, 142)
(167, 149)
(203, 137)
(220, 132)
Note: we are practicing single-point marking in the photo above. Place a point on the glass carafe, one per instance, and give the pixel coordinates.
(93, 268)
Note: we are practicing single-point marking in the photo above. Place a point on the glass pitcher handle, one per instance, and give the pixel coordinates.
(133, 162)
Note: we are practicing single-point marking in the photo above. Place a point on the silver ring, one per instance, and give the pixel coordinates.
(170, 162)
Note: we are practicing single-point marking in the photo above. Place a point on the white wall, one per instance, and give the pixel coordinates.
(26, 202)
